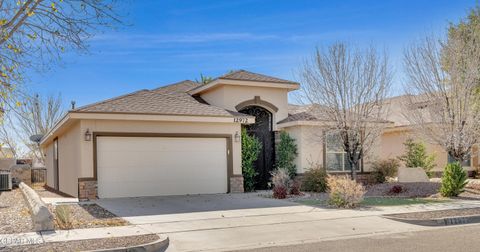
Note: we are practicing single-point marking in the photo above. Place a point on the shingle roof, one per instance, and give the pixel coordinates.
(311, 112)
(179, 87)
(172, 99)
(156, 101)
(304, 113)
(249, 76)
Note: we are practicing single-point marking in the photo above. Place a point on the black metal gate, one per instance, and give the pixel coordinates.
(262, 129)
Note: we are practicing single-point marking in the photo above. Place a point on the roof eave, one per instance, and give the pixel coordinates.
(75, 115)
(198, 90)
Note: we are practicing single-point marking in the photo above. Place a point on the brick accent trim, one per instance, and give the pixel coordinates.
(87, 189)
(236, 184)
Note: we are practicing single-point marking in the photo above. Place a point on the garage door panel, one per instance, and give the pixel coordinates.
(141, 166)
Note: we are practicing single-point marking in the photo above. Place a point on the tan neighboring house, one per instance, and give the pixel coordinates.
(184, 138)
(402, 129)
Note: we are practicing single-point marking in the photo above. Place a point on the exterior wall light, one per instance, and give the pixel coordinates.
(237, 137)
(88, 135)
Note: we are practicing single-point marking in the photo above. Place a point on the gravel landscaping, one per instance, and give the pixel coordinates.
(14, 213)
(410, 190)
(89, 216)
(438, 214)
(383, 195)
(92, 244)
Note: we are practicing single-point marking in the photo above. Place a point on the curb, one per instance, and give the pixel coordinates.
(159, 245)
(447, 221)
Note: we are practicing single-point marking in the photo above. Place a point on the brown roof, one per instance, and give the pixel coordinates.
(249, 76)
(311, 112)
(172, 99)
(168, 100)
(179, 87)
(304, 113)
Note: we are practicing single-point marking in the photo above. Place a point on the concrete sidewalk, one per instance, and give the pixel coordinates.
(250, 228)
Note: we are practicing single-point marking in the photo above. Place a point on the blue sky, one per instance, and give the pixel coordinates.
(169, 41)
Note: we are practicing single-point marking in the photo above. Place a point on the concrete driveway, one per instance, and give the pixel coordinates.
(225, 222)
(147, 210)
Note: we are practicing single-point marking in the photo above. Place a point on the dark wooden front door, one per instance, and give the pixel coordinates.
(262, 129)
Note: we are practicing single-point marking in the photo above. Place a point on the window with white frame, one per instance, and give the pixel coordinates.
(336, 159)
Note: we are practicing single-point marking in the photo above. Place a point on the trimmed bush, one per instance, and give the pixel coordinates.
(250, 149)
(315, 179)
(344, 192)
(287, 152)
(384, 168)
(454, 180)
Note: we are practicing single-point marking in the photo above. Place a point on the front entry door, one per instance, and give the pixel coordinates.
(262, 129)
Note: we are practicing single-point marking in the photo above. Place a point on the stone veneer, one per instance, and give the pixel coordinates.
(87, 189)
(236, 184)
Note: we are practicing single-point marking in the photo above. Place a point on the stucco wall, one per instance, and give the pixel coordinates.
(392, 147)
(68, 162)
(309, 144)
(309, 141)
(229, 96)
(86, 169)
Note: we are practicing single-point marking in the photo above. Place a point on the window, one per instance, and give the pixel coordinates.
(336, 160)
(465, 163)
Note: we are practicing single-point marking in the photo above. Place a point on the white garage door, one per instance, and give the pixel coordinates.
(151, 166)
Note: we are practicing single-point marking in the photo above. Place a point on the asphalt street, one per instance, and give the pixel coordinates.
(454, 238)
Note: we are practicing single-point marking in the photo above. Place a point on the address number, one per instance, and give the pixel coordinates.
(240, 120)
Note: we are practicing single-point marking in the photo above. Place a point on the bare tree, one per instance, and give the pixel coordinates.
(34, 33)
(349, 87)
(36, 116)
(443, 78)
(8, 137)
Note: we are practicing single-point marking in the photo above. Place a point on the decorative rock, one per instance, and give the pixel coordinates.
(409, 175)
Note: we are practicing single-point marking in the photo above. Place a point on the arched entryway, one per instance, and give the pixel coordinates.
(262, 129)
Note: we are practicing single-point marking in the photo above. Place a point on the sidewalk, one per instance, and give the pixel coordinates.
(249, 230)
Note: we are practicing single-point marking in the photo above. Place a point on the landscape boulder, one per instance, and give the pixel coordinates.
(410, 175)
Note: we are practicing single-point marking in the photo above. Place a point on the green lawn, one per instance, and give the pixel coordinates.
(378, 201)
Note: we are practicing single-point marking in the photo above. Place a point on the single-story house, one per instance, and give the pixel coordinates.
(184, 138)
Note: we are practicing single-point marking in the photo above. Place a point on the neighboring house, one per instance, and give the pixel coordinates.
(184, 138)
(402, 129)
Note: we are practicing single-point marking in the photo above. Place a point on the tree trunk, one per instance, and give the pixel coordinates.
(354, 170)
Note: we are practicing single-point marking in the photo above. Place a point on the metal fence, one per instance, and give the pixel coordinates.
(39, 175)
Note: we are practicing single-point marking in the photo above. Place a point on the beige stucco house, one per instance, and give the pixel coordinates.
(184, 138)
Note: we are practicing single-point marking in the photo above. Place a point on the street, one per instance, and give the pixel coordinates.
(458, 238)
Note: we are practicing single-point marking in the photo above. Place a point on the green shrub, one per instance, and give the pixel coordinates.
(384, 168)
(454, 180)
(63, 216)
(344, 192)
(251, 147)
(416, 156)
(315, 179)
(287, 152)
